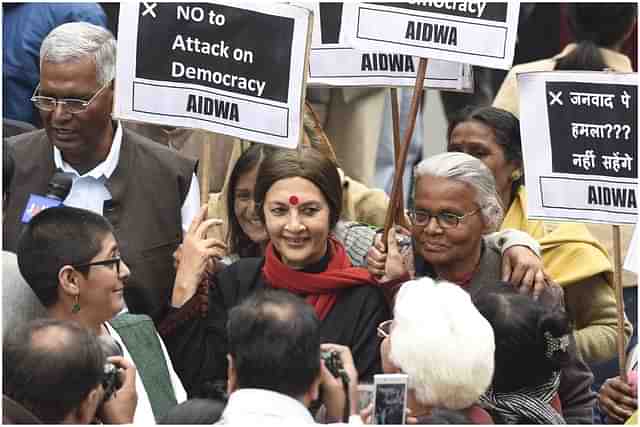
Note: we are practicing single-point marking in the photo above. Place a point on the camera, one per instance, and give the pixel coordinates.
(112, 377)
(332, 362)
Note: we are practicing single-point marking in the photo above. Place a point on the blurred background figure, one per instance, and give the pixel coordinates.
(24, 27)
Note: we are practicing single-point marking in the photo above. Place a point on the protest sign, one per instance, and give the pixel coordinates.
(225, 67)
(580, 145)
(333, 62)
(477, 33)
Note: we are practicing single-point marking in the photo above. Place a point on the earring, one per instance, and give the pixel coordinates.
(516, 175)
(76, 306)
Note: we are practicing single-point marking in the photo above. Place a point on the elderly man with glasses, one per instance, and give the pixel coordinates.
(148, 192)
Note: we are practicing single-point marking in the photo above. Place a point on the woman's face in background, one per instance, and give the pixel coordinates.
(479, 140)
(245, 208)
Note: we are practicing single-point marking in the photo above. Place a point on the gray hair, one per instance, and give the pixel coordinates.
(75, 41)
(467, 169)
(440, 374)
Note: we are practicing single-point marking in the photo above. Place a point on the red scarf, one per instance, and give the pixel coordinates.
(322, 288)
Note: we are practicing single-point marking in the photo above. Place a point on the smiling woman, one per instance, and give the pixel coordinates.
(71, 259)
(298, 196)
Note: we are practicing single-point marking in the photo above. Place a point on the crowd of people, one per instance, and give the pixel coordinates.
(275, 297)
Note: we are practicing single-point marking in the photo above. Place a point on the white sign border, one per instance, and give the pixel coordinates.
(511, 26)
(125, 74)
(542, 147)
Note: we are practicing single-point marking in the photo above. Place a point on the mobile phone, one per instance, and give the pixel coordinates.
(390, 398)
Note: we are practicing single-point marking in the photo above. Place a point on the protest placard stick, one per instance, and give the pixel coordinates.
(318, 131)
(401, 160)
(205, 158)
(395, 120)
(617, 279)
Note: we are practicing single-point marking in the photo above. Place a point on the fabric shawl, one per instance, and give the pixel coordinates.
(570, 253)
(322, 288)
(529, 405)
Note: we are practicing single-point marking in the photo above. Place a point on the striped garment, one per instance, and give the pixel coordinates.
(528, 405)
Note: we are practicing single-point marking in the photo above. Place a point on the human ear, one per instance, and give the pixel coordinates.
(68, 279)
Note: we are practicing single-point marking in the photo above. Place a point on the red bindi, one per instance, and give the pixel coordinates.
(293, 200)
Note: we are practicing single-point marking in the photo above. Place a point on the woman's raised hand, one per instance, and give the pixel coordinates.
(194, 256)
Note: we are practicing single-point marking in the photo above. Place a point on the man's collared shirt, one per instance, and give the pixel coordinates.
(249, 406)
(89, 191)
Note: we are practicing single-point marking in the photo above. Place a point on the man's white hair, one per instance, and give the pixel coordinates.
(441, 341)
(75, 41)
(467, 169)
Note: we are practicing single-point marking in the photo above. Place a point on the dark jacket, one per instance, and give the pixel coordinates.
(196, 335)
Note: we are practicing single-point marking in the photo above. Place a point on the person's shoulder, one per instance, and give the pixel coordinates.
(129, 319)
(366, 295)
(77, 12)
(545, 64)
(25, 141)
(239, 279)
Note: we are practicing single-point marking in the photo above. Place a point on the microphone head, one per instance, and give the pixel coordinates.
(59, 186)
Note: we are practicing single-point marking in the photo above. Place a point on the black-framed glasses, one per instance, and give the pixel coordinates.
(384, 328)
(72, 105)
(106, 262)
(422, 217)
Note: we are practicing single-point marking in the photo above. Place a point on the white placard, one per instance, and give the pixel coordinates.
(631, 261)
(333, 62)
(580, 145)
(227, 67)
(477, 33)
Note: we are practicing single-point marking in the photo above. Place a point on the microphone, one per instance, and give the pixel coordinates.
(57, 190)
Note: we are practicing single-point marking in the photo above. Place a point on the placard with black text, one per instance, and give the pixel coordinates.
(580, 145)
(477, 33)
(333, 62)
(227, 67)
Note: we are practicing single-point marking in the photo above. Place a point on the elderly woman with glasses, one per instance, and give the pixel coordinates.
(456, 204)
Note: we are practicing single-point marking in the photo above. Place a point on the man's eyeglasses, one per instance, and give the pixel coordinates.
(421, 218)
(384, 328)
(73, 106)
(105, 262)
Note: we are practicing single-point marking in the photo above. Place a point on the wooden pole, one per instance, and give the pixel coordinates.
(205, 159)
(395, 121)
(401, 161)
(617, 279)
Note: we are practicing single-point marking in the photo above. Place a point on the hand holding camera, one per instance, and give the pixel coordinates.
(119, 405)
(120, 399)
(339, 382)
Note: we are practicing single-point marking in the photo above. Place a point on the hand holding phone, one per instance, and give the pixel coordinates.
(390, 398)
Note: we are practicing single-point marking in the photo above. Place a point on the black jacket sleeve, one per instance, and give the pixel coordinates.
(195, 334)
